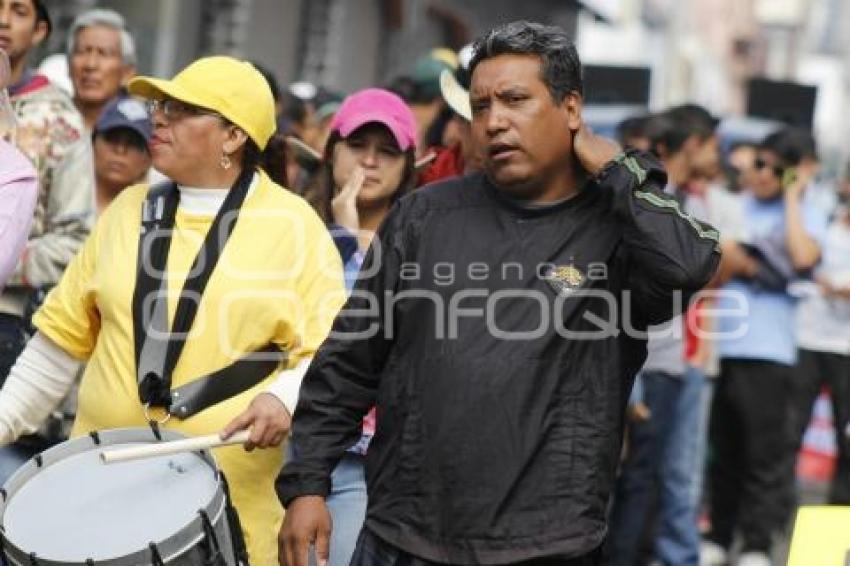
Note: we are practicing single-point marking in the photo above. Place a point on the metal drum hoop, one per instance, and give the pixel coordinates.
(187, 538)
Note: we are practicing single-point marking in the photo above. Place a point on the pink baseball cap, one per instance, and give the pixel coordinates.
(376, 105)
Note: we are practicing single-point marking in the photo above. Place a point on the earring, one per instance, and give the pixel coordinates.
(225, 161)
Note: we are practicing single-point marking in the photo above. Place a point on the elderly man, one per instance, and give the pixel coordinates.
(101, 59)
(500, 390)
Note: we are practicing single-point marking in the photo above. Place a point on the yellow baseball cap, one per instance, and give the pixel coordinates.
(446, 55)
(235, 89)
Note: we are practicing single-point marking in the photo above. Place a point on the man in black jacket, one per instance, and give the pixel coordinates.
(497, 327)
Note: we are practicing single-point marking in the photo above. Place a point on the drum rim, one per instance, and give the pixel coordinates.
(174, 546)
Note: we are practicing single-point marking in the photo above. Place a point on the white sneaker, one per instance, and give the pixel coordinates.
(754, 559)
(712, 554)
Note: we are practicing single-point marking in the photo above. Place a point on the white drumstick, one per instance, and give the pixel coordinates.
(173, 447)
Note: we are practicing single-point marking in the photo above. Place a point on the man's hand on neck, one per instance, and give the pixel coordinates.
(678, 170)
(593, 151)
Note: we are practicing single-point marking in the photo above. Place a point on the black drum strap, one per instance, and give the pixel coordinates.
(158, 212)
(224, 383)
(157, 349)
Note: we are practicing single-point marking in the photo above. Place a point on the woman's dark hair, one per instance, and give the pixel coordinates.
(560, 67)
(272, 159)
(321, 189)
(267, 73)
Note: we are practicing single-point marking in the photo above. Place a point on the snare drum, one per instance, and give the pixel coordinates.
(67, 507)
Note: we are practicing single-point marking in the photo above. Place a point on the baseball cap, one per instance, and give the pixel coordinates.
(376, 105)
(327, 110)
(235, 89)
(128, 113)
(427, 69)
(454, 85)
(446, 55)
(455, 95)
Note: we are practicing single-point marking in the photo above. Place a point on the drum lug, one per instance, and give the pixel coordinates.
(211, 546)
(240, 549)
(156, 559)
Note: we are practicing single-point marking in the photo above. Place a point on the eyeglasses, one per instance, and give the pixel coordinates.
(760, 164)
(176, 110)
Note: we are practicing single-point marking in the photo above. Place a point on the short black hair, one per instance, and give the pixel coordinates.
(633, 127)
(673, 127)
(791, 145)
(560, 67)
(42, 15)
(694, 120)
(663, 133)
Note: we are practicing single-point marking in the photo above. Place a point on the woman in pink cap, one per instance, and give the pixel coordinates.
(369, 163)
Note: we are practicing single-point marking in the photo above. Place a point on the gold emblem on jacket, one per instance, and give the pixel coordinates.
(564, 278)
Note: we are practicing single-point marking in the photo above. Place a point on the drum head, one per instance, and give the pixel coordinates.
(78, 508)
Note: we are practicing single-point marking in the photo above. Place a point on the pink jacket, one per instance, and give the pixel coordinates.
(18, 190)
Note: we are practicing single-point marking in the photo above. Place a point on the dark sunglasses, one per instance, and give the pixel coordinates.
(760, 164)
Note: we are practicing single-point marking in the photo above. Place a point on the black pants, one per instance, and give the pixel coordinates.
(749, 435)
(373, 551)
(814, 370)
(13, 339)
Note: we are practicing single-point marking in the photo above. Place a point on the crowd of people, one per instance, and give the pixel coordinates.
(495, 337)
(726, 389)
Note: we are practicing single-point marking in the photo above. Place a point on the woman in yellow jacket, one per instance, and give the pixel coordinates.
(273, 285)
